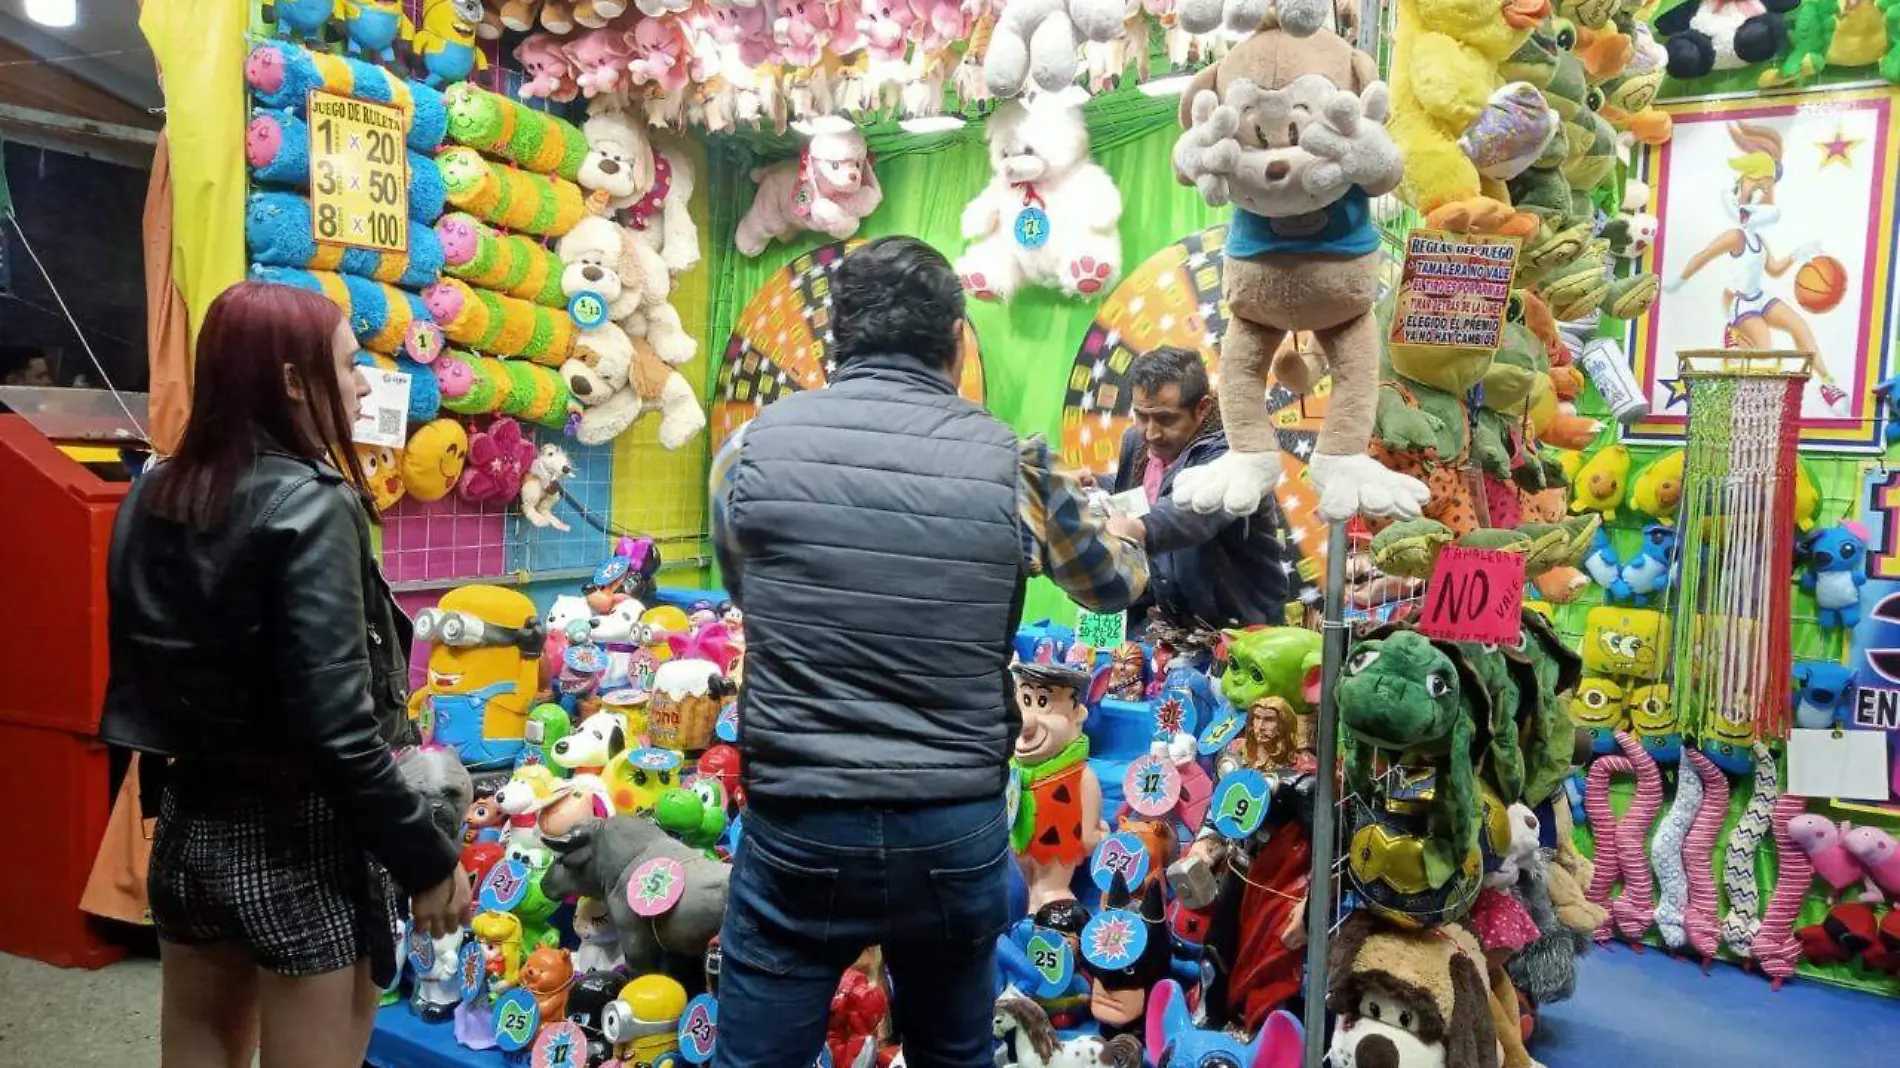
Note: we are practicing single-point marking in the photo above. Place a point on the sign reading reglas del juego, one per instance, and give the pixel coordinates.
(1454, 290)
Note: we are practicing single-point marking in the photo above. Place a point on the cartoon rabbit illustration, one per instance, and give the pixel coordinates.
(1752, 316)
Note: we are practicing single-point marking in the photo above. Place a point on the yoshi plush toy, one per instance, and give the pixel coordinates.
(1417, 719)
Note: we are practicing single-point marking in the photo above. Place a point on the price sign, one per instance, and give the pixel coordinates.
(471, 967)
(1114, 939)
(1475, 595)
(421, 951)
(1225, 728)
(1152, 785)
(560, 1045)
(1101, 631)
(699, 1029)
(1454, 290)
(506, 885)
(1240, 803)
(1053, 960)
(655, 887)
(1120, 854)
(359, 174)
(517, 1018)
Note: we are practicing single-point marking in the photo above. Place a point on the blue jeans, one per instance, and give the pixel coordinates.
(812, 887)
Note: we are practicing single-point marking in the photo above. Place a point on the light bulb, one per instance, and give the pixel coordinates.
(58, 14)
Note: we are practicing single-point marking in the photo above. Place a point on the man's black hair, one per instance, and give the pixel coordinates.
(896, 296)
(1170, 366)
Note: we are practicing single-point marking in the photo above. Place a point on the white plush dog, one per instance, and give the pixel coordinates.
(1049, 214)
(615, 379)
(599, 738)
(829, 188)
(566, 611)
(539, 490)
(649, 187)
(608, 259)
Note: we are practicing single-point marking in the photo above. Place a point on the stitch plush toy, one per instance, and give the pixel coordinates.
(1647, 574)
(1836, 560)
(1172, 1037)
(1289, 129)
(1823, 692)
(539, 204)
(1049, 213)
(829, 188)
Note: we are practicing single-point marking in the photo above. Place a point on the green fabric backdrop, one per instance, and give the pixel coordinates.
(1029, 344)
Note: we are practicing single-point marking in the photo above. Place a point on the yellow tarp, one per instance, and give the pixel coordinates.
(200, 49)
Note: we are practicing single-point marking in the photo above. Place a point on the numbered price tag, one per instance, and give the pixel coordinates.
(587, 308)
(1099, 630)
(699, 1029)
(1032, 227)
(517, 1018)
(1053, 961)
(560, 1045)
(1222, 732)
(1240, 803)
(655, 887)
(1120, 854)
(1114, 939)
(506, 885)
(471, 967)
(359, 173)
(1152, 785)
(421, 951)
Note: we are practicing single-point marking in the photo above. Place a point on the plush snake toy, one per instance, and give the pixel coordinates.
(1701, 920)
(1634, 911)
(1665, 852)
(1743, 921)
(1596, 801)
(1775, 944)
(529, 139)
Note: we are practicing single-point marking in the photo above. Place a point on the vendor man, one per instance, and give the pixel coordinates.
(1206, 571)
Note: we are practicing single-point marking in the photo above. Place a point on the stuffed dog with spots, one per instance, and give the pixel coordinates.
(599, 738)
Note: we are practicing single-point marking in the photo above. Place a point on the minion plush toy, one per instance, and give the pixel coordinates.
(484, 668)
(643, 1023)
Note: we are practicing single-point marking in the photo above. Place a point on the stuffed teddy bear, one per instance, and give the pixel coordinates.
(1409, 997)
(1288, 129)
(599, 60)
(549, 75)
(1049, 213)
(649, 186)
(829, 188)
(658, 55)
(614, 379)
(606, 258)
(1036, 40)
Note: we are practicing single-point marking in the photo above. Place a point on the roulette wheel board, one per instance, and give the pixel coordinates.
(782, 343)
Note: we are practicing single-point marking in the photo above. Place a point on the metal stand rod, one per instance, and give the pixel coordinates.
(1319, 887)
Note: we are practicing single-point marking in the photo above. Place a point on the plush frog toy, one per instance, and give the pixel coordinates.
(1412, 710)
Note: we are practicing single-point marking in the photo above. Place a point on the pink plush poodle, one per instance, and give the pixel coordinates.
(599, 59)
(1879, 855)
(829, 188)
(1821, 841)
(658, 49)
(802, 30)
(549, 75)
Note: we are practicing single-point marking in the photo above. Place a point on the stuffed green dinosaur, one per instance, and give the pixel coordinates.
(1503, 759)
(1810, 33)
(1546, 735)
(1280, 662)
(1405, 700)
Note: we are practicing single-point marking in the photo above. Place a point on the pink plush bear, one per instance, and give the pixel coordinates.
(939, 22)
(1879, 855)
(599, 59)
(802, 29)
(1821, 841)
(658, 51)
(549, 75)
(886, 25)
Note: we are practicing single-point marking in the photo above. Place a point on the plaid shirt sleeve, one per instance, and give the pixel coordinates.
(719, 492)
(1065, 543)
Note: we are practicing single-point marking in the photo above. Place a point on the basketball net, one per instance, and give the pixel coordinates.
(1730, 608)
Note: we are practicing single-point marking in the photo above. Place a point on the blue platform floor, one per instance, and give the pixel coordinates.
(1650, 1011)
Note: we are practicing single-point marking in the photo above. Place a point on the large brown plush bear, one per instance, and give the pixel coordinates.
(1289, 129)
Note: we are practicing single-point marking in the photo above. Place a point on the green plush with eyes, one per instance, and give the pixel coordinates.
(1406, 700)
(1270, 662)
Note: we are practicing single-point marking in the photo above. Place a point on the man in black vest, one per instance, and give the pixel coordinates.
(877, 535)
(1209, 571)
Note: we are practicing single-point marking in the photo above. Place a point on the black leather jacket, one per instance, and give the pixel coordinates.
(273, 647)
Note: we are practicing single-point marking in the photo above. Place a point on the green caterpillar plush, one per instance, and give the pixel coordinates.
(532, 140)
(506, 263)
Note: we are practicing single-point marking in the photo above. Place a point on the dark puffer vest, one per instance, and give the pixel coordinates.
(882, 583)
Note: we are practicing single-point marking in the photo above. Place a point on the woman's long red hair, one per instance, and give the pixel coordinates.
(240, 405)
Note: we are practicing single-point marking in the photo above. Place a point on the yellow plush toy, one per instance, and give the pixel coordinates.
(1446, 55)
(484, 668)
(1658, 489)
(434, 459)
(382, 470)
(1602, 482)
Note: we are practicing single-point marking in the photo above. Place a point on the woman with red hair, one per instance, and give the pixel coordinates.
(255, 644)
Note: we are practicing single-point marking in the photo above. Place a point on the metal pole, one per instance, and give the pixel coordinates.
(1319, 887)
